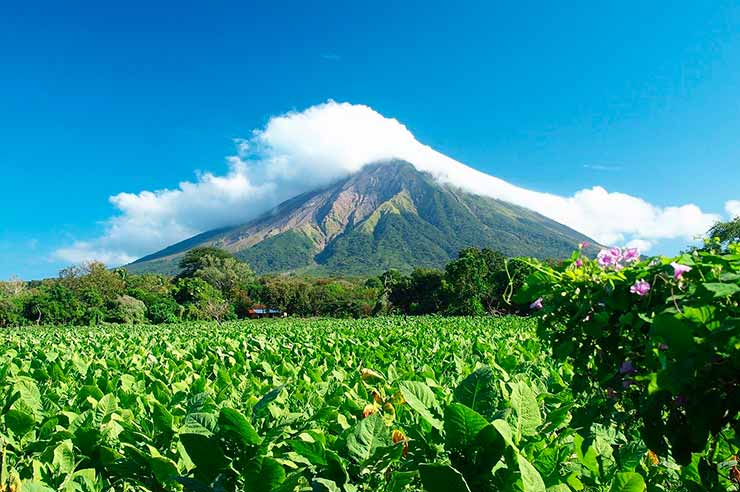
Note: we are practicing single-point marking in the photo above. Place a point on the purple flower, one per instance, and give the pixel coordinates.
(584, 245)
(631, 255)
(627, 368)
(579, 263)
(627, 383)
(607, 258)
(640, 288)
(679, 270)
(537, 304)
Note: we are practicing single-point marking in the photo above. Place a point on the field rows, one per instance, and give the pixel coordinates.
(381, 404)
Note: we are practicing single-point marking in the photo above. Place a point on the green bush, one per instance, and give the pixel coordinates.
(655, 340)
(129, 310)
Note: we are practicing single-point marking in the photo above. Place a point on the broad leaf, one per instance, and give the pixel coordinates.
(461, 426)
(531, 479)
(527, 410)
(368, 435)
(421, 398)
(442, 478)
(236, 427)
(721, 290)
(478, 391)
(205, 453)
(264, 476)
(628, 482)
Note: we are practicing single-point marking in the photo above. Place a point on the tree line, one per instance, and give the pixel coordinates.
(214, 285)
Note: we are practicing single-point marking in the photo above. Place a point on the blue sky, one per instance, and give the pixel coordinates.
(99, 98)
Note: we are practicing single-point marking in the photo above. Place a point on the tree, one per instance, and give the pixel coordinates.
(156, 291)
(93, 276)
(225, 274)
(53, 303)
(201, 301)
(193, 259)
(10, 312)
(476, 281)
(726, 232)
(12, 287)
(129, 310)
(395, 291)
(426, 291)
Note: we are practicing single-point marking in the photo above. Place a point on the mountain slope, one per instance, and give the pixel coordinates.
(388, 215)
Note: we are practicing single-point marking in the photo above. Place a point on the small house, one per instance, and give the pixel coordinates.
(262, 311)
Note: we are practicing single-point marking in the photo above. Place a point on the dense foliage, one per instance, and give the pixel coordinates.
(655, 345)
(214, 285)
(385, 404)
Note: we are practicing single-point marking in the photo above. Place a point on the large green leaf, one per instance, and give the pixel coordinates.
(462, 425)
(105, 407)
(526, 409)
(478, 391)
(722, 290)
(164, 469)
(442, 478)
(368, 435)
(628, 482)
(421, 398)
(199, 423)
(261, 405)
(64, 458)
(19, 421)
(531, 479)
(205, 453)
(235, 426)
(400, 480)
(264, 475)
(312, 451)
(161, 417)
(561, 487)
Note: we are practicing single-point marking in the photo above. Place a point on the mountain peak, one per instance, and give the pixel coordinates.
(387, 215)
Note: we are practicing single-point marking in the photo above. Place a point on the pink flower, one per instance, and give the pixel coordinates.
(640, 288)
(607, 257)
(537, 304)
(584, 245)
(579, 263)
(631, 255)
(679, 270)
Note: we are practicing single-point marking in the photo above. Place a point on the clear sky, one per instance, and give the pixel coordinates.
(99, 98)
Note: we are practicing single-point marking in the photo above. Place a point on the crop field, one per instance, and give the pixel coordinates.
(385, 404)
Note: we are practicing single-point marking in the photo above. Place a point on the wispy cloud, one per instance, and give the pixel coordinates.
(331, 56)
(299, 151)
(603, 167)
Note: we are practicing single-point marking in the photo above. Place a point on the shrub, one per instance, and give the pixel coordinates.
(127, 309)
(655, 340)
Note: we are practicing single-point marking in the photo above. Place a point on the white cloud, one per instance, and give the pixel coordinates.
(83, 251)
(300, 151)
(641, 244)
(733, 208)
